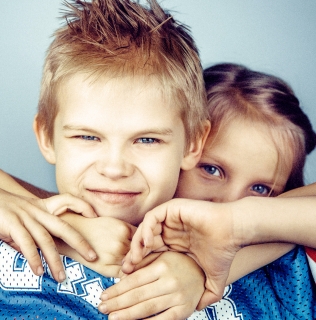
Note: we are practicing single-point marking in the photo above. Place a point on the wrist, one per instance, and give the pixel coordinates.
(248, 221)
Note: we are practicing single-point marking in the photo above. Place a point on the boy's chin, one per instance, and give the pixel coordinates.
(131, 216)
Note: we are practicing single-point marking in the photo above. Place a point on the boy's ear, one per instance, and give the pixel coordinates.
(45, 144)
(194, 153)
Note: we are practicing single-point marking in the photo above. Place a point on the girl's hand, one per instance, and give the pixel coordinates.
(170, 287)
(25, 224)
(209, 237)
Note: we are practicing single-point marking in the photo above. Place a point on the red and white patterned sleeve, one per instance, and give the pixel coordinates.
(311, 256)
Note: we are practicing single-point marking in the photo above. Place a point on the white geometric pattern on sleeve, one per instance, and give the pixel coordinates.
(16, 272)
(223, 309)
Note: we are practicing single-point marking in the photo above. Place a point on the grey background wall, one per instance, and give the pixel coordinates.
(277, 37)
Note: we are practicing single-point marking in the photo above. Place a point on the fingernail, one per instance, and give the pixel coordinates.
(61, 276)
(103, 308)
(104, 297)
(92, 255)
(113, 316)
(40, 271)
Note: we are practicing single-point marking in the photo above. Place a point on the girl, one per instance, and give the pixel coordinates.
(257, 146)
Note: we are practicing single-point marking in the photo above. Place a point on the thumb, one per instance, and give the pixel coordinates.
(208, 298)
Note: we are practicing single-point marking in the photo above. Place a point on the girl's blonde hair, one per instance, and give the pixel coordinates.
(236, 91)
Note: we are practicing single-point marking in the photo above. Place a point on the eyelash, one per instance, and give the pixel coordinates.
(87, 138)
(268, 190)
(148, 140)
(206, 167)
(209, 166)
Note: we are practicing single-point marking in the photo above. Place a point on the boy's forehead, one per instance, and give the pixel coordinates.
(136, 85)
(95, 100)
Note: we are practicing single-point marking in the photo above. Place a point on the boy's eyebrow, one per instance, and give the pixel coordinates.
(153, 130)
(78, 127)
(161, 131)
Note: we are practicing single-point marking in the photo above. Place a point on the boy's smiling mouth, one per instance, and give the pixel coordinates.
(124, 197)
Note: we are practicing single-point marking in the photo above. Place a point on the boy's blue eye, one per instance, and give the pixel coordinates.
(86, 137)
(147, 140)
(261, 189)
(212, 170)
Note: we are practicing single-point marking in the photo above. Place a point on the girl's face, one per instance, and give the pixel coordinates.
(238, 160)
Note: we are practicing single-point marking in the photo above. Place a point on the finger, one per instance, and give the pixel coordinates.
(42, 227)
(64, 202)
(64, 231)
(137, 251)
(127, 266)
(127, 284)
(141, 248)
(45, 242)
(143, 310)
(25, 243)
(152, 224)
(139, 303)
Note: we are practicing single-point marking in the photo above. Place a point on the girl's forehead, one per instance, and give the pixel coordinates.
(263, 145)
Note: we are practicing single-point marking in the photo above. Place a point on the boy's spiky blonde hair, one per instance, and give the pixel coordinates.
(121, 38)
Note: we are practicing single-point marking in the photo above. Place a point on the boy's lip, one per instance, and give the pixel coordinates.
(115, 196)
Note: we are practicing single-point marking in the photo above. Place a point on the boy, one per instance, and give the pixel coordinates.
(121, 111)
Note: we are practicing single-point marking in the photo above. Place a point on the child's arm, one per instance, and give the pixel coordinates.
(26, 223)
(220, 230)
(171, 285)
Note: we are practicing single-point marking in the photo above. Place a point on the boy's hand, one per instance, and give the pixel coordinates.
(26, 224)
(109, 237)
(208, 237)
(170, 287)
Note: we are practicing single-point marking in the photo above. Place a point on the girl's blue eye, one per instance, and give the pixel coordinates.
(212, 170)
(261, 189)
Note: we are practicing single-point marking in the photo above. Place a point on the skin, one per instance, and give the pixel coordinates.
(111, 150)
(238, 161)
(26, 223)
(123, 142)
(130, 284)
(233, 166)
(133, 312)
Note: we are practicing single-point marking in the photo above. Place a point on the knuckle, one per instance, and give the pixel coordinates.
(124, 230)
(174, 315)
(139, 295)
(150, 308)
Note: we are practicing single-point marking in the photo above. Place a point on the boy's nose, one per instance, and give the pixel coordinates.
(114, 164)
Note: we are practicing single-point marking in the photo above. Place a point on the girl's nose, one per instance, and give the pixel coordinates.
(228, 194)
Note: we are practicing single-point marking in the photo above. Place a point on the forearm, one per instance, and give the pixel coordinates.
(268, 220)
(291, 220)
(253, 257)
(9, 184)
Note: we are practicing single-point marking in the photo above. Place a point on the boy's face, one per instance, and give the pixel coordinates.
(241, 160)
(117, 145)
